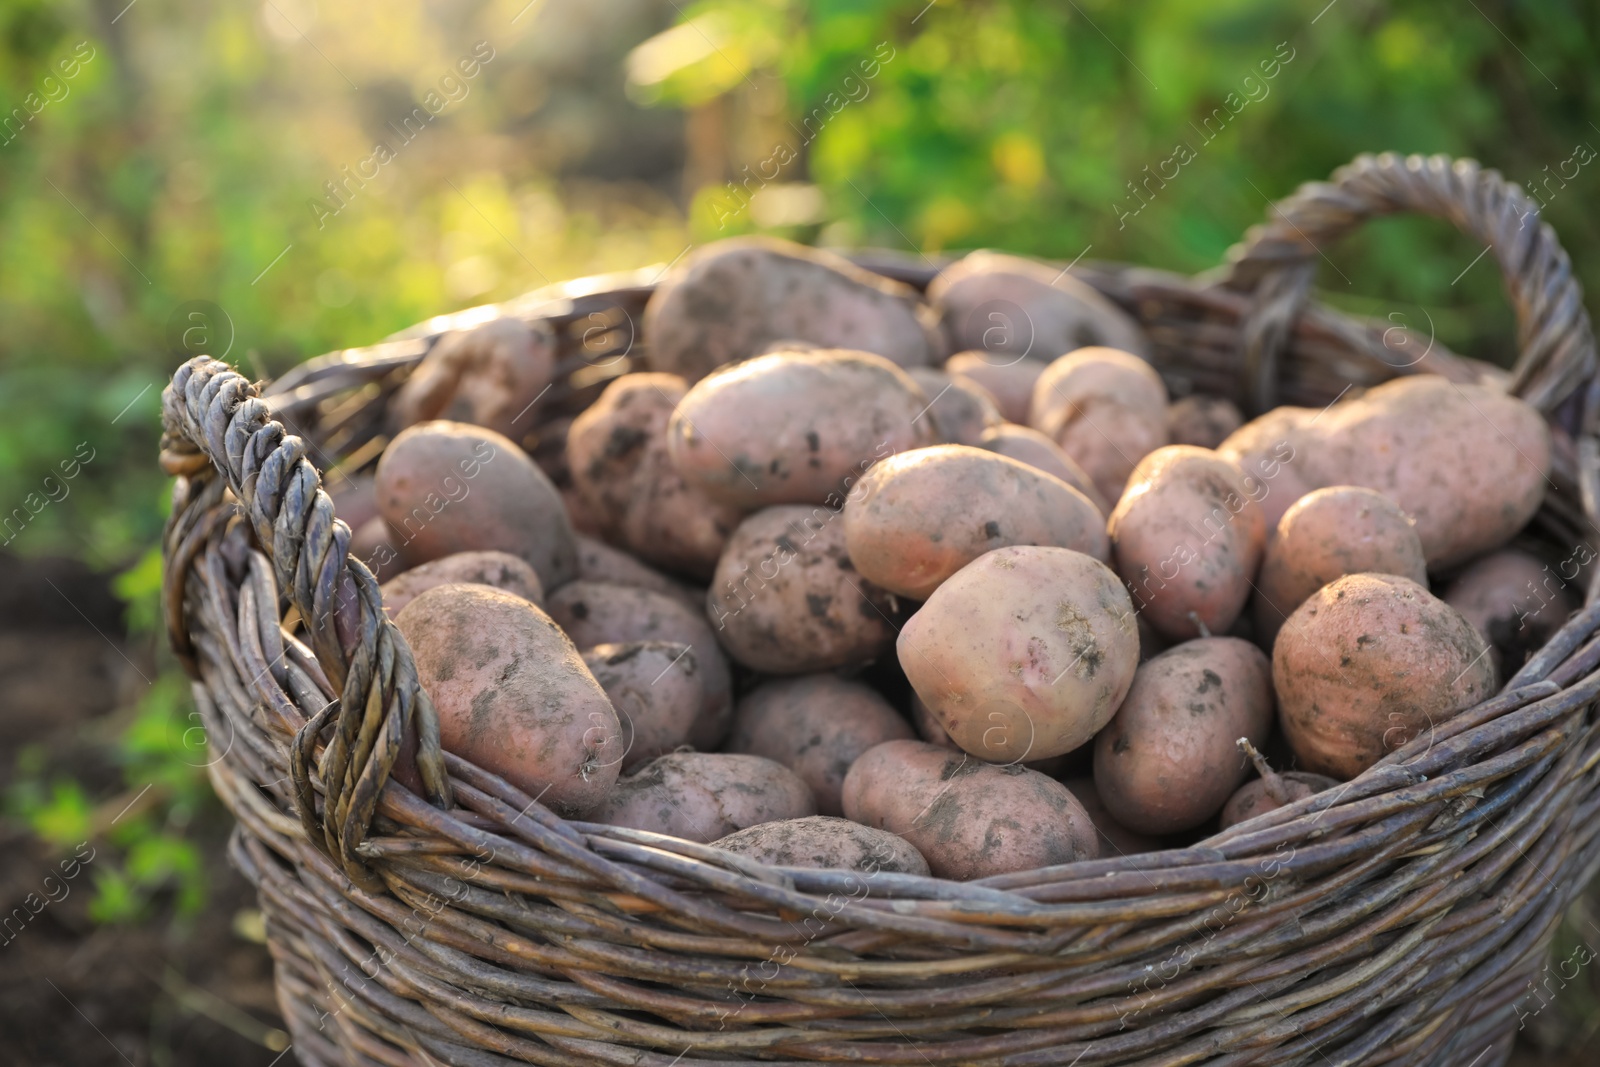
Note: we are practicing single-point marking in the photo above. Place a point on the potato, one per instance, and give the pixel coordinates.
(916, 518)
(513, 695)
(1025, 653)
(729, 300)
(1368, 663)
(961, 409)
(1010, 306)
(1008, 379)
(1187, 538)
(828, 844)
(1327, 534)
(599, 613)
(374, 545)
(927, 724)
(795, 427)
(617, 452)
(1115, 839)
(816, 726)
(1107, 409)
(1167, 761)
(1204, 421)
(1027, 445)
(599, 562)
(501, 570)
(1271, 451)
(787, 600)
(446, 487)
(968, 818)
(490, 375)
(355, 499)
(657, 691)
(1271, 790)
(703, 796)
(1514, 601)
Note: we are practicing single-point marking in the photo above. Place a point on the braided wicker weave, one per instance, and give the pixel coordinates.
(1394, 920)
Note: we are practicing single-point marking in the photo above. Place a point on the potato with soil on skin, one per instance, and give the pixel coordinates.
(916, 518)
(1271, 451)
(656, 689)
(1187, 538)
(1010, 306)
(617, 453)
(1327, 534)
(490, 375)
(961, 409)
(599, 613)
(703, 796)
(1368, 663)
(1107, 409)
(1514, 601)
(513, 695)
(968, 818)
(816, 726)
(501, 570)
(599, 562)
(1008, 379)
(729, 300)
(1023, 654)
(1027, 445)
(787, 600)
(1203, 421)
(446, 487)
(1115, 839)
(795, 427)
(826, 843)
(1168, 760)
(1270, 791)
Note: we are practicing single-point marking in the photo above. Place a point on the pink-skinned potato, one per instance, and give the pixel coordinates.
(600, 562)
(1023, 654)
(960, 408)
(1272, 452)
(657, 691)
(1009, 379)
(491, 375)
(1515, 602)
(513, 695)
(703, 796)
(968, 818)
(1203, 421)
(826, 843)
(501, 570)
(1188, 539)
(918, 517)
(373, 543)
(1027, 445)
(1115, 839)
(1106, 408)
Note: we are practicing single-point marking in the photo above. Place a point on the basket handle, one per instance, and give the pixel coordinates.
(214, 422)
(1277, 260)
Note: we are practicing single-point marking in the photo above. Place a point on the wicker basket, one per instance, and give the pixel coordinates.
(1395, 920)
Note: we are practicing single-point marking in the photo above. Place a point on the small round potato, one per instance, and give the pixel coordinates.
(501, 570)
(795, 427)
(1187, 538)
(1115, 839)
(816, 726)
(826, 843)
(1107, 409)
(703, 796)
(1027, 445)
(1023, 654)
(599, 562)
(1260, 795)
(1368, 663)
(656, 689)
(490, 375)
(1168, 760)
(513, 695)
(917, 518)
(1202, 421)
(1009, 379)
(968, 818)
(786, 599)
(961, 409)
(1514, 601)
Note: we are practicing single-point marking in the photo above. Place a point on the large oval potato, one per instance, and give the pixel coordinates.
(599, 613)
(827, 844)
(446, 487)
(1027, 445)
(490, 375)
(501, 570)
(703, 796)
(816, 726)
(1368, 663)
(657, 692)
(786, 599)
(599, 562)
(961, 409)
(731, 299)
(1009, 379)
(1187, 538)
(796, 427)
(1023, 654)
(918, 517)
(1514, 601)
(968, 818)
(1106, 408)
(1168, 760)
(513, 695)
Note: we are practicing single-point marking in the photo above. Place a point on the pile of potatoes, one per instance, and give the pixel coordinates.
(846, 578)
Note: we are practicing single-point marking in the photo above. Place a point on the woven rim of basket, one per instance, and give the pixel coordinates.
(328, 716)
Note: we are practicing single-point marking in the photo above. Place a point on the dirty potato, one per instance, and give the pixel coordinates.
(826, 843)
(703, 796)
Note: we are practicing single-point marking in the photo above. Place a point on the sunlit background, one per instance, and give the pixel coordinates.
(306, 176)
